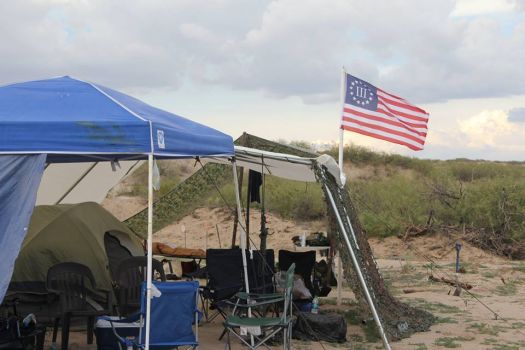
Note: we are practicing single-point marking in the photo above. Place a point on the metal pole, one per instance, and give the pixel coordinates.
(358, 270)
(243, 233)
(150, 248)
(341, 130)
(244, 237)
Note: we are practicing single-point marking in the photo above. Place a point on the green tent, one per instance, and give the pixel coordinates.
(85, 233)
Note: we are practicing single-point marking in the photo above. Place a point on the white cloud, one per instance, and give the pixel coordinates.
(480, 7)
(282, 48)
(488, 128)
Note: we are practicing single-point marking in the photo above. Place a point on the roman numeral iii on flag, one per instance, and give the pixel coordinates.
(373, 112)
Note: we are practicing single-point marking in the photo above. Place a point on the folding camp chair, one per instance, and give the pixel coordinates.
(263, 328)
(225, 279)
(174, 315)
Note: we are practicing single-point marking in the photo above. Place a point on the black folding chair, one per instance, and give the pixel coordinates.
(131, 272)
(225, 278)
(261, 271)
(304, 265)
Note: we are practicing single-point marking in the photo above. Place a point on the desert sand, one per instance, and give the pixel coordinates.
(463, 322)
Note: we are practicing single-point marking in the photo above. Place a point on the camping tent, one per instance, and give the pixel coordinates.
(66, 120)
(85, 233)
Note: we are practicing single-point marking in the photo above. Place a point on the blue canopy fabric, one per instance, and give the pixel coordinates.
(19, 180)
(69, 119)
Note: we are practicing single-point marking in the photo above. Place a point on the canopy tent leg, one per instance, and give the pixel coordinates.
(150, 249)
(243, 237)
(243, 232)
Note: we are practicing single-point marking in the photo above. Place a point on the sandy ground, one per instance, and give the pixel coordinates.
(463, 322)
(206, 227)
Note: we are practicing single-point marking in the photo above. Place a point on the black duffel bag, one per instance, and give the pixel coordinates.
(15, 335)
(329, 327)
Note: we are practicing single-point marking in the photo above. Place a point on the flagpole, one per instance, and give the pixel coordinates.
(341, 130)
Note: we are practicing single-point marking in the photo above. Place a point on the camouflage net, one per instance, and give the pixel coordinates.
(182, 199)
(399, 319)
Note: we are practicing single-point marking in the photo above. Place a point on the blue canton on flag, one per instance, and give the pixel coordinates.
(360, 93)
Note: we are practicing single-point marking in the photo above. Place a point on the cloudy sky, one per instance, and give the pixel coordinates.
(272, 68)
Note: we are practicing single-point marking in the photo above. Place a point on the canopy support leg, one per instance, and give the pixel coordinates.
(243, 237)
(150, 249)
(243, 232)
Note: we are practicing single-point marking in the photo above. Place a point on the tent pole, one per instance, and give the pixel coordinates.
(248, 200)
(341, 130)
(243, 233)
(150, 248)
(243, 237)
(236, 223)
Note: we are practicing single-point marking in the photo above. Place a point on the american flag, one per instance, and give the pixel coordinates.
(373, 112)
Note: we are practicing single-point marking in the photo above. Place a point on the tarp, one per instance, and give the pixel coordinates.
(71, 233)
(19, 180)
(66, 117)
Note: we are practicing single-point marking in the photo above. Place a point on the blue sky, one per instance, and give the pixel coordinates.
(272, 68)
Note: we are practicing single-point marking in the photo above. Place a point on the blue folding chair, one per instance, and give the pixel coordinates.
(174, 315)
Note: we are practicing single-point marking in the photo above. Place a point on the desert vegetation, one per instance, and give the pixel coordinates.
(482, 201)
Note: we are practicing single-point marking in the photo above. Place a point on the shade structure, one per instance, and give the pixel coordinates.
(73, 120)
(69, 120)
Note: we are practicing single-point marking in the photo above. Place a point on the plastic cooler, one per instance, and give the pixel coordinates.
(106, 339)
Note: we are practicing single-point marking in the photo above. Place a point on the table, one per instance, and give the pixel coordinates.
(169, 258)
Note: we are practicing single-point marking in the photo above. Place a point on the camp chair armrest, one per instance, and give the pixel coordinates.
(254, 303)
(245, 296)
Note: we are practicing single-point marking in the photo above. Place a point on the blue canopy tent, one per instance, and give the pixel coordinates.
(65, 120)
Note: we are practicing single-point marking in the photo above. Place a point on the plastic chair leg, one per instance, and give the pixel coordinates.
(55, 329)
(90, 327)
(65, 331)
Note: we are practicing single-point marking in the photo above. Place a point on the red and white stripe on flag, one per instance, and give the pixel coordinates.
(373, 112)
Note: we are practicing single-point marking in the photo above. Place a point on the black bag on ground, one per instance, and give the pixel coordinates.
(14, 335)
(329, 327)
